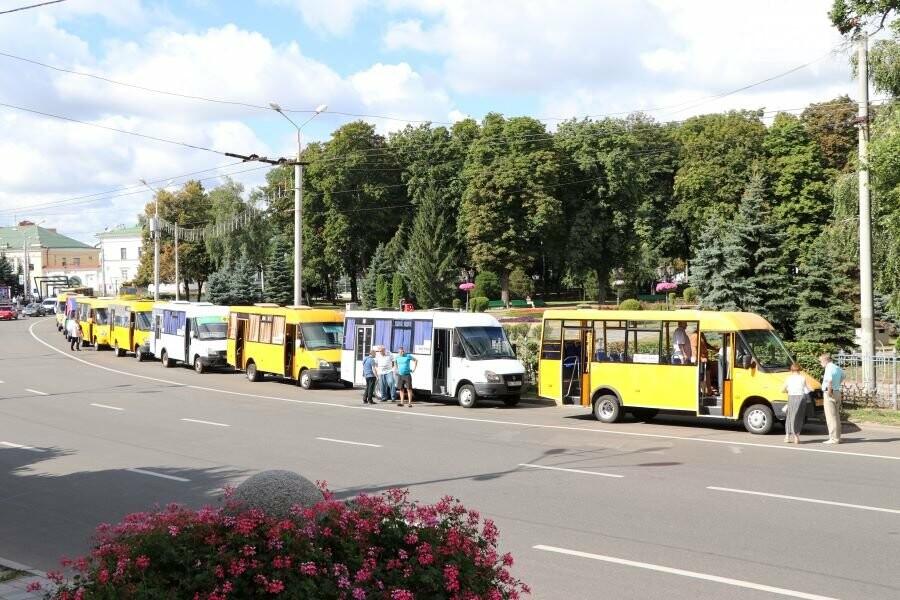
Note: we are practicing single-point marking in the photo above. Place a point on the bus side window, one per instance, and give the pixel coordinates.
(551, 341)
(457, 350)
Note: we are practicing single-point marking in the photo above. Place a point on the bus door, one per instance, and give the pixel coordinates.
(440, 362)
(716, 374)
(290, 335)
(239, 337)
(188, 330)
(364, 336)
(576, 342)
(132, 317)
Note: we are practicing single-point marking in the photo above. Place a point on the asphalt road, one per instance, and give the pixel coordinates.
(670, 509)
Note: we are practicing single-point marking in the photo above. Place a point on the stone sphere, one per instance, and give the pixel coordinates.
(276, 491)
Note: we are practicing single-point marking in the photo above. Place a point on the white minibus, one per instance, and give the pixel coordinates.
(466, 356)
(193, 333)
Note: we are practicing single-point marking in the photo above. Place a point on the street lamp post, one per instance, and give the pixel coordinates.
(298, 202)
(154, 228)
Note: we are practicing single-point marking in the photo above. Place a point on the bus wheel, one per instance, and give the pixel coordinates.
(759, 419)
(510, 400)
(306, 381)
(466, 396)
(198, 365)
(252, 373)
(644, 414)
(607, 409)
(164, 359)
(138, 354)
(118, 351)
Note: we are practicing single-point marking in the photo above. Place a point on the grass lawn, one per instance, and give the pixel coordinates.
(882, 416)
(10, 574)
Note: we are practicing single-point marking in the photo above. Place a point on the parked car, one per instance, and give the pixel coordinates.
(8, 312)
(34, 310)
(49, 305)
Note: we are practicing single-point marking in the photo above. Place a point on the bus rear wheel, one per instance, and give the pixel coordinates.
(252, 372)
(607, 409)
(138, 354)
(119, 352)
(759, 419)
(164, 359)
(198, 365)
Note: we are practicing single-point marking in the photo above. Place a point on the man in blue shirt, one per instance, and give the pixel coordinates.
(368, 367)
(831, 389)
(406, 364)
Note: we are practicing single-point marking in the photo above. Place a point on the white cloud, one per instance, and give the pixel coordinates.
(335, 17)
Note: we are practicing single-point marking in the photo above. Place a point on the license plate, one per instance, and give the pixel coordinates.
(515, 383)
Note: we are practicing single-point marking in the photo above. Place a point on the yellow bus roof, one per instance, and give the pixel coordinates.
(97, 302)
(293, 314)
(133, 304)
(710, 320)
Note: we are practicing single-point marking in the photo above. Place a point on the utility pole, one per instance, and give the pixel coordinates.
(867, 311)
(298, 227)
(177, 278)
(156, 247)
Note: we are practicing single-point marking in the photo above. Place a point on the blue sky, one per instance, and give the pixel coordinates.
(408, 59)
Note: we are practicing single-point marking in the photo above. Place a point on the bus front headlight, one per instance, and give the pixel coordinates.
(492, 377)
(324, 364)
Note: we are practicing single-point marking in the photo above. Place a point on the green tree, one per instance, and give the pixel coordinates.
(520, 284)
(854, 16)
(224, 245)
(280, 273)
(398, 289)
(831, 125)
(245, 288)
(430, 261)
(824, 315)
(884, 63)
(378, 267)
(487, 284)
(720, 268)
(219, 290)
(382, 292)
(7, 277)
(509, 201)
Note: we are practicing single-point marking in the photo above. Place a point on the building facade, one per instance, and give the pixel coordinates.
(120, 256)
(42, 252)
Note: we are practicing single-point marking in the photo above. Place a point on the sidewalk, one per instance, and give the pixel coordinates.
(16, 589)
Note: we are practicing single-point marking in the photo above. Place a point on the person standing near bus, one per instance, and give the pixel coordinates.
(831, 388)
(797, 391)
(406, 364)
(368, 367)
(384, 370)
(71, 335)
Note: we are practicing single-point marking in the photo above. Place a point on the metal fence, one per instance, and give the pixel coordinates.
(886, 390)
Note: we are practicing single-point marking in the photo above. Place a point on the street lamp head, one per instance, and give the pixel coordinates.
(321, 108)
(275, 106)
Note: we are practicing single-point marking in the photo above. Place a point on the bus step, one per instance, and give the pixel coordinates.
(571, 399)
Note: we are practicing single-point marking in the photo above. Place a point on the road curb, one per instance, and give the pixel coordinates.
(17, 589)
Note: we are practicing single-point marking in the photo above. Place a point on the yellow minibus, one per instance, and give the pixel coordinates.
(710, 364)
(93, 316)
(130, 326)
(64, 307)
(300, 343)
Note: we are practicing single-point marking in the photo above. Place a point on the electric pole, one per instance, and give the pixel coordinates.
(867, 325)
(177, 279)
(298, 227)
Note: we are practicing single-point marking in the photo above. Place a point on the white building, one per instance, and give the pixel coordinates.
(120, 256)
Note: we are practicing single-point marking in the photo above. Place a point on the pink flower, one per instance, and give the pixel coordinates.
(173, 531)
(402, 595)
(143, 562)
(275, 587)
(34, 586)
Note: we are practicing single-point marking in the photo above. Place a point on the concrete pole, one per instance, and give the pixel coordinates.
(298, 228)
(177, 278)
(103, 266)
(26, 270)
(865, 223)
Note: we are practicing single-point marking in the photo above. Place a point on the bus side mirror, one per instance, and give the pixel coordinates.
(515, 349)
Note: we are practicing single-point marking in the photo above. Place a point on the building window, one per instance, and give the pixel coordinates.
(64, 261)
(123, 253)
(76, 261)
(124, 273)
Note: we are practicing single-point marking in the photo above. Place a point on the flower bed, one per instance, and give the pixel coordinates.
(372, 547)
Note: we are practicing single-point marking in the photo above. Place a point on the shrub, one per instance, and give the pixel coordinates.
(478, 304)
(487, 284)
(377, 547)
(526, 337)
(671, 298)
(690, 295)
(457, 303)
(630, 304)
(520, 284)
(807, 355)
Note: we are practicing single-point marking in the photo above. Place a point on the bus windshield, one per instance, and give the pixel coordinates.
(143, 321)
(101, 316)
(211, 329)
(768, 349)
(321, 336)
(484, 343)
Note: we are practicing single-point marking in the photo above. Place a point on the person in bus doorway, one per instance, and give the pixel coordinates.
(384, 370)
(368, 367)
(831, 388)
(797, 392)
(682, 344)
(406, 364)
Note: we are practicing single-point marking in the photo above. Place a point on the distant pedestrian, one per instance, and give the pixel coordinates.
(73, 329)
(384, 370)
(406, 364)
(368, 367)
(831, 388)
(797, 391)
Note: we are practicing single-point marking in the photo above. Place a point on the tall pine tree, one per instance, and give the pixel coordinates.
(720, 268)
(279, 273)
(378, 267)
(824, 314)
(220, 284)
(7, 277)
(430, 258)
(245, 288)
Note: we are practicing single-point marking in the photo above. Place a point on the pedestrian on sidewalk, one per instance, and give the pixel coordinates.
(384, 370)
(797, 391)
(831, 389)
(71, 334)
(79, 336)
(368, 367)
(406, 364)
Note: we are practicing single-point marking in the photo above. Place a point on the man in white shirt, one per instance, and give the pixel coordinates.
(682, 344)
(831, 390)
(384, 370)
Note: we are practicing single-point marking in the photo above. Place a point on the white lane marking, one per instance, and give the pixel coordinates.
(106, 406)
(802, 499)
(692, 574)
(20, 446)
(324, 439)
(569, 470)
(779, 447)
(38, 392)
(202, 422)
(154, 474)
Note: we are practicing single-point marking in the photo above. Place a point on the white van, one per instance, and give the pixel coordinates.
(466, 356)
(189, 332)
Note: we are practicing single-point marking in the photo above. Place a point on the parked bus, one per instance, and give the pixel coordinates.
(130, 326)
(466, 356)
(189, 332)
(733, 365)
(64, 308)
(93, 316)
(300, 343)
